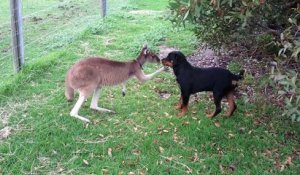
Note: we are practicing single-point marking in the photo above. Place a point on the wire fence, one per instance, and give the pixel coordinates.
(47, 25)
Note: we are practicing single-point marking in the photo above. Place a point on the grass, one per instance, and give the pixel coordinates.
(145, 136)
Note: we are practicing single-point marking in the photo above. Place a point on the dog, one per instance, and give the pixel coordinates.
(193, 79)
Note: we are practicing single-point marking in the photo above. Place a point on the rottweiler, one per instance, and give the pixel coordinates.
(194, 79)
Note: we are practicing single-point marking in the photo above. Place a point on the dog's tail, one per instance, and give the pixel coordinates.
(69, 91)
(238, 76)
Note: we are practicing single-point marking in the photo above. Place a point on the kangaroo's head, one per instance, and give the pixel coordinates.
(147, 56)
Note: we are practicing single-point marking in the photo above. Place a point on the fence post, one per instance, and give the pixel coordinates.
(103, 5)
(17, 33)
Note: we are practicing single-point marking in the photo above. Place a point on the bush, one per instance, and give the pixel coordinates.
(221, 22)
(290, 92)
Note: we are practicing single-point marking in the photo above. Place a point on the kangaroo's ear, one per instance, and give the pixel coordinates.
(145, 46)
(145, 49)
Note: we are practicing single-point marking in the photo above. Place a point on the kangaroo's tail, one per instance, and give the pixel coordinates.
(69, 91)
(238, 76)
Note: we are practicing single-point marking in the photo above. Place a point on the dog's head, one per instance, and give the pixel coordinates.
(174, 58)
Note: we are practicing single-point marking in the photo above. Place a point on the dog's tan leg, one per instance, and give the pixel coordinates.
(75, 110)
(179, 104)
(231, 104)
(184, 110)
(94, 102)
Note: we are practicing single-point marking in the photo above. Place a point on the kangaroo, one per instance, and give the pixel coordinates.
(90, 74)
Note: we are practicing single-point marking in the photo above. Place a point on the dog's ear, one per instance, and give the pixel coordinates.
(176, 58)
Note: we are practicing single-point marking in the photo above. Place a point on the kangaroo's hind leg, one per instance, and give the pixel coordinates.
(75, 110)
(94, 103)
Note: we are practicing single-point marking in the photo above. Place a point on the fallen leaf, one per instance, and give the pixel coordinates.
(280, 167)
(288, 161)
(161, 149)
(175, 138)
(195, 158)
(165, 95)
(185, 123)
(136, 152)
(109, 152)
(222, 169)
(169, 159)
(230, 135)
(105, 171)
(131, 173)
(85, 162)
(232, 167)
(217, 124)
(242, 130)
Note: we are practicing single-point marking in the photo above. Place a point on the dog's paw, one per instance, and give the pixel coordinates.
(181, 114)
(210, 115)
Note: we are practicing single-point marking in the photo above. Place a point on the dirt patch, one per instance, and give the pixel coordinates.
(165, 50)
(207, 57)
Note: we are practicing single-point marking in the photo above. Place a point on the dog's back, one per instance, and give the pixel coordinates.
(207, 79)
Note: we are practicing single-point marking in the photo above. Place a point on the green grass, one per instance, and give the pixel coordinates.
(145, 136)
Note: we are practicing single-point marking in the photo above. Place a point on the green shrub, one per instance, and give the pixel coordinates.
(221, 22)
(289, 90)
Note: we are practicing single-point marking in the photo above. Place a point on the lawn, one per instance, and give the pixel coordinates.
(145, 136)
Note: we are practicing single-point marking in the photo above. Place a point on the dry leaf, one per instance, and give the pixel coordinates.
(195, 158)
(175, 138)
(280, 166)
(85, 162)
(131, 173)
(165, 131)
(222, 169)
(136, 152)
(232, 167)
(169, 159)
(242, 130)
(105, 171)
(217, 124)
(288, 161)
(165, 95)
(230, 135)
(161, 149)
(109, 152)
(185, 123)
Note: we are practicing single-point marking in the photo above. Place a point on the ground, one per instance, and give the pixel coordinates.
(145, 136)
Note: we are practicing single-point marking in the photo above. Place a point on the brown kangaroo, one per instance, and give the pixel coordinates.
(90, 74)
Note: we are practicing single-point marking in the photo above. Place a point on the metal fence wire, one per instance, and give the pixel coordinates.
(47, 25)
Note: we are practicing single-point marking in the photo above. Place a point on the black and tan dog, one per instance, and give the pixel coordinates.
(193, 79)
